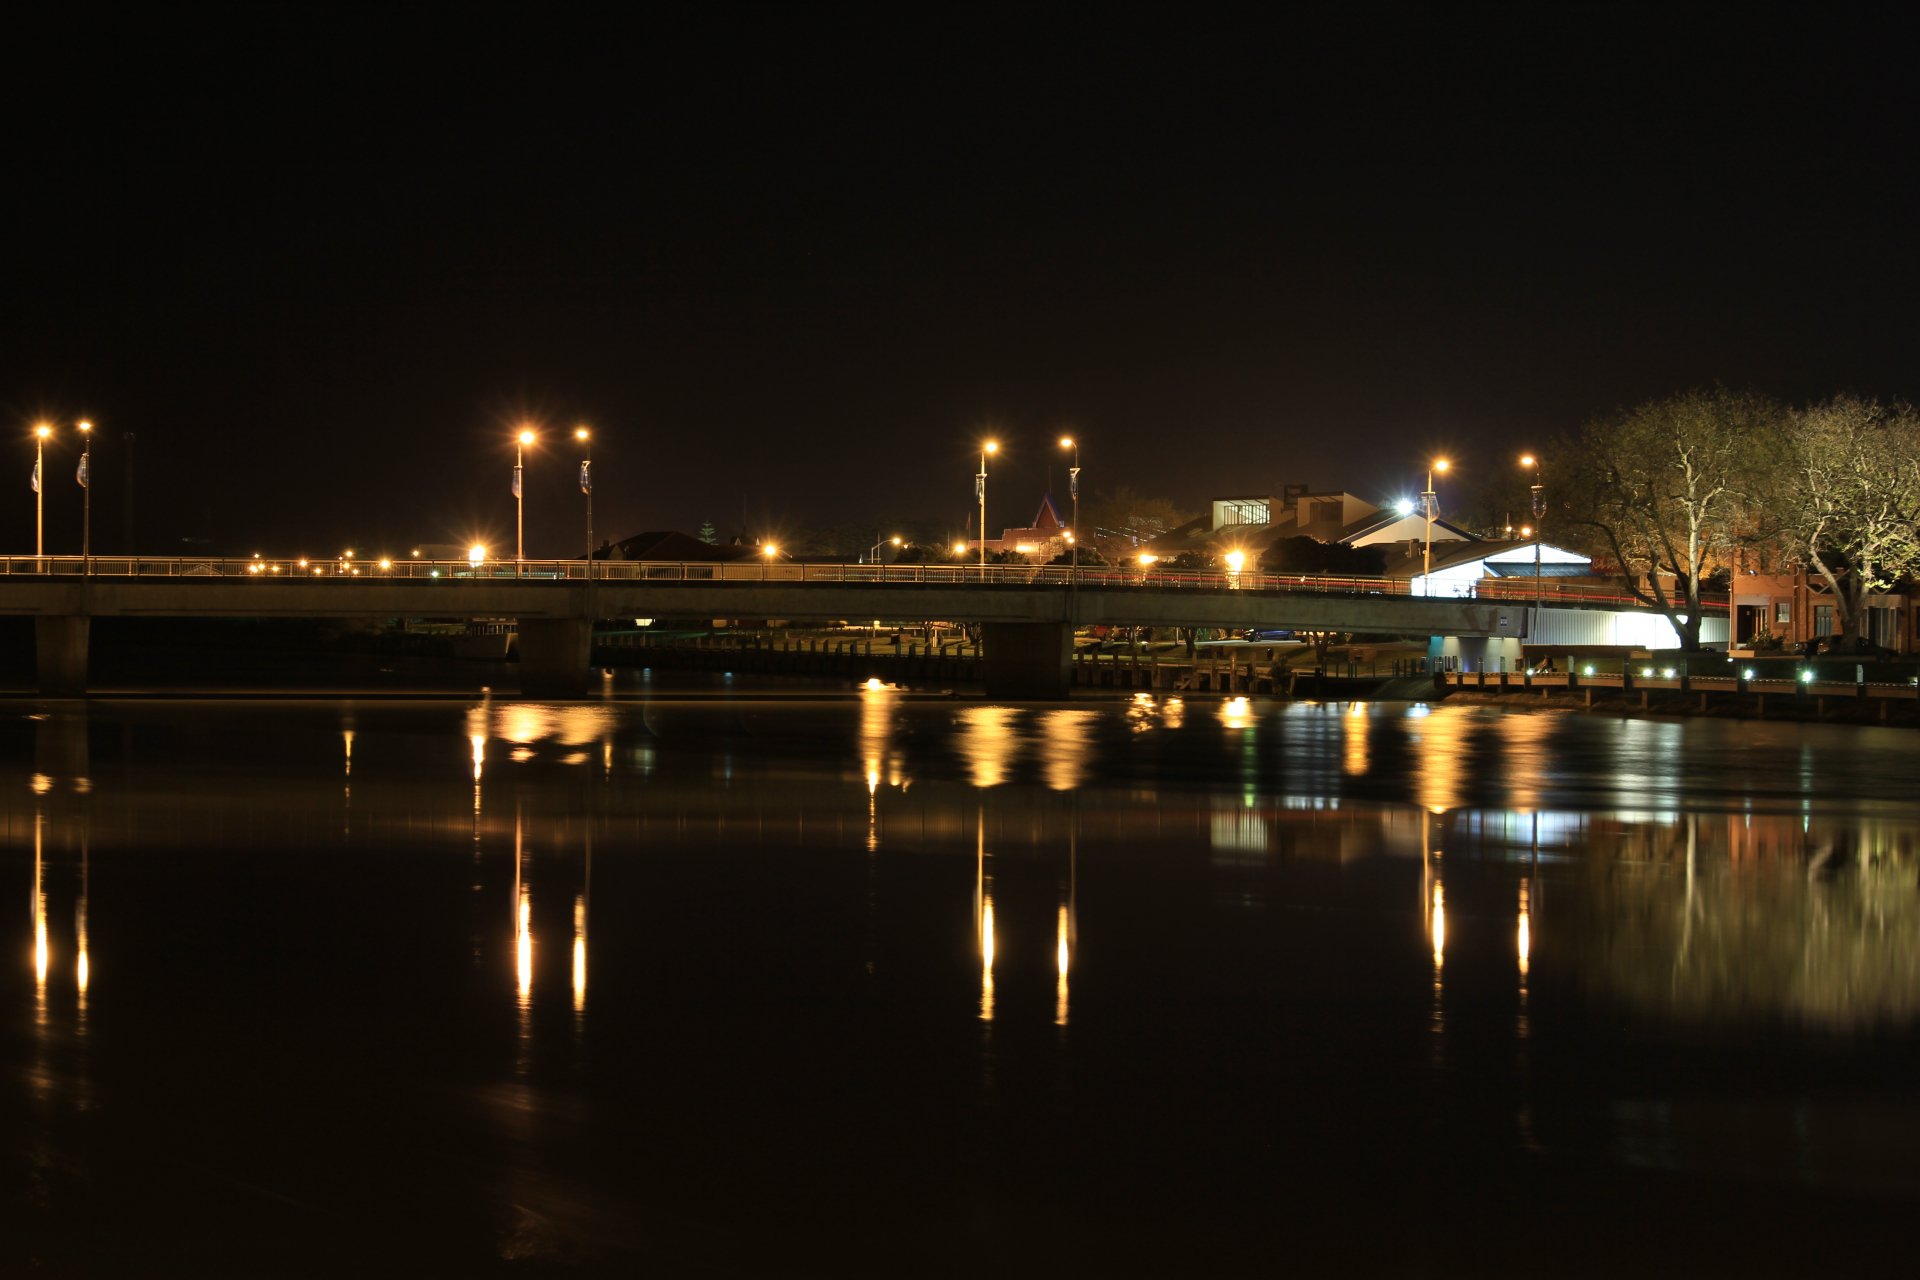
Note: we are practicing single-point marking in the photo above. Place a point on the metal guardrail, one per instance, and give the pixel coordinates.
(950, 575)
(1806, 681)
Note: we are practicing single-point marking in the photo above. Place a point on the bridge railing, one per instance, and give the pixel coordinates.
(1517, 590)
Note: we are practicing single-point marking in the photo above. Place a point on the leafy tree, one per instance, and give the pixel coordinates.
(1189, 560)
(707, 535)
(1851, 499)
(1090, 557)
(1132, 515)
(1668, 488)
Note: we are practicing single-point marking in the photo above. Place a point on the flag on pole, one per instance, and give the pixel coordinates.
(979, 488)
(80, 476)
(516, 482)
(586, 477)
(36, 475)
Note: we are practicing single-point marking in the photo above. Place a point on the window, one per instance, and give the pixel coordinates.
(1244, 511)
(1823, 620)
(1883, 627)
(1782, 612)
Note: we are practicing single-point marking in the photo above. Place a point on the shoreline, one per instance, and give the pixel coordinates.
(1778, 708)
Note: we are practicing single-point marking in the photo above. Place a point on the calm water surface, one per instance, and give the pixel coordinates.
(880, 984)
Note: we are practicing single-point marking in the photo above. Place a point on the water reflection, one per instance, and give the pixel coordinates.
(989, 743)
(983, 914)
(1066, 741)
(1444, 746)
(1067, 923)
(1680, 913)
(40, 955)
(1357, 761)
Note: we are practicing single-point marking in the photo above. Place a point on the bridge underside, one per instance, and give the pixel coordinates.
(1026, 631)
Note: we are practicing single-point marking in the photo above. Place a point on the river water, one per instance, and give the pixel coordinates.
(745, 982)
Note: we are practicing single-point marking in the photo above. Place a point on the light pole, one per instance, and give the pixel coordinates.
(521, 442)
(40, 433)
(585, 437)
(874, 551)
(1539, 509)
(85, 478)
(1073, 484)
(980, 492)
(1438, 465)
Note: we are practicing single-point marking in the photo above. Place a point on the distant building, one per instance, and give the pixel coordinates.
(1458, 567)
(668, 544)
(1041, 541)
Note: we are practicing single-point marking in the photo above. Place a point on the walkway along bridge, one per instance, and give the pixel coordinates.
(1027, 615)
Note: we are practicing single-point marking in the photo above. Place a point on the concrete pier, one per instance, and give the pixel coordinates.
(1026, 661)
(60, 654)
(553, 657)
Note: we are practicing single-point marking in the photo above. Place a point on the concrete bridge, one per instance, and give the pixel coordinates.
(1027, 615)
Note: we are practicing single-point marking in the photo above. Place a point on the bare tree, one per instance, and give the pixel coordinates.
(1851, 499)
(1669, 488)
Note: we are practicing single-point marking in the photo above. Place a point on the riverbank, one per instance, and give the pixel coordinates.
(1802, 708)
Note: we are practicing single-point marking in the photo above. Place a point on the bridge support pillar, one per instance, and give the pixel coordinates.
(1027, 661)
(60, 653)
(553, 657)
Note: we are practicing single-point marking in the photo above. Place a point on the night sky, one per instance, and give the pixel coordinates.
(792, 266)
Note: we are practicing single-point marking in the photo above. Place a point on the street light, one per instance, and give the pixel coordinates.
(1539, 509)
(521, 442)
(1438, 465)
(40, 433)
(1073, 484)
(84, 476)
(585, 437)
(873, 552)
(980, 492)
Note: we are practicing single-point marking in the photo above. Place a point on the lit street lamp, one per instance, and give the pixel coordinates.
(84, 477)
(874, 551)
(980, 492)
(585, 437)
(40, 434)
(521, 442)
(1073, 485)
(1539, 509)
(1440, 466)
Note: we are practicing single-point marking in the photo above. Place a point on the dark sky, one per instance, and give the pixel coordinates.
(792, 266)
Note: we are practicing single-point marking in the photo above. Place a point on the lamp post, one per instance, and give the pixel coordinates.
(1439, 466)
(874, 551)
(85, 478)
(585, 437)
(1539, 509)
(1073, 485)
(980, 492)
(40, 433)
(520, 444)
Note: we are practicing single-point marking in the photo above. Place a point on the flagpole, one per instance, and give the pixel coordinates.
(40, 434)
(86, 495)
(585, 437)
